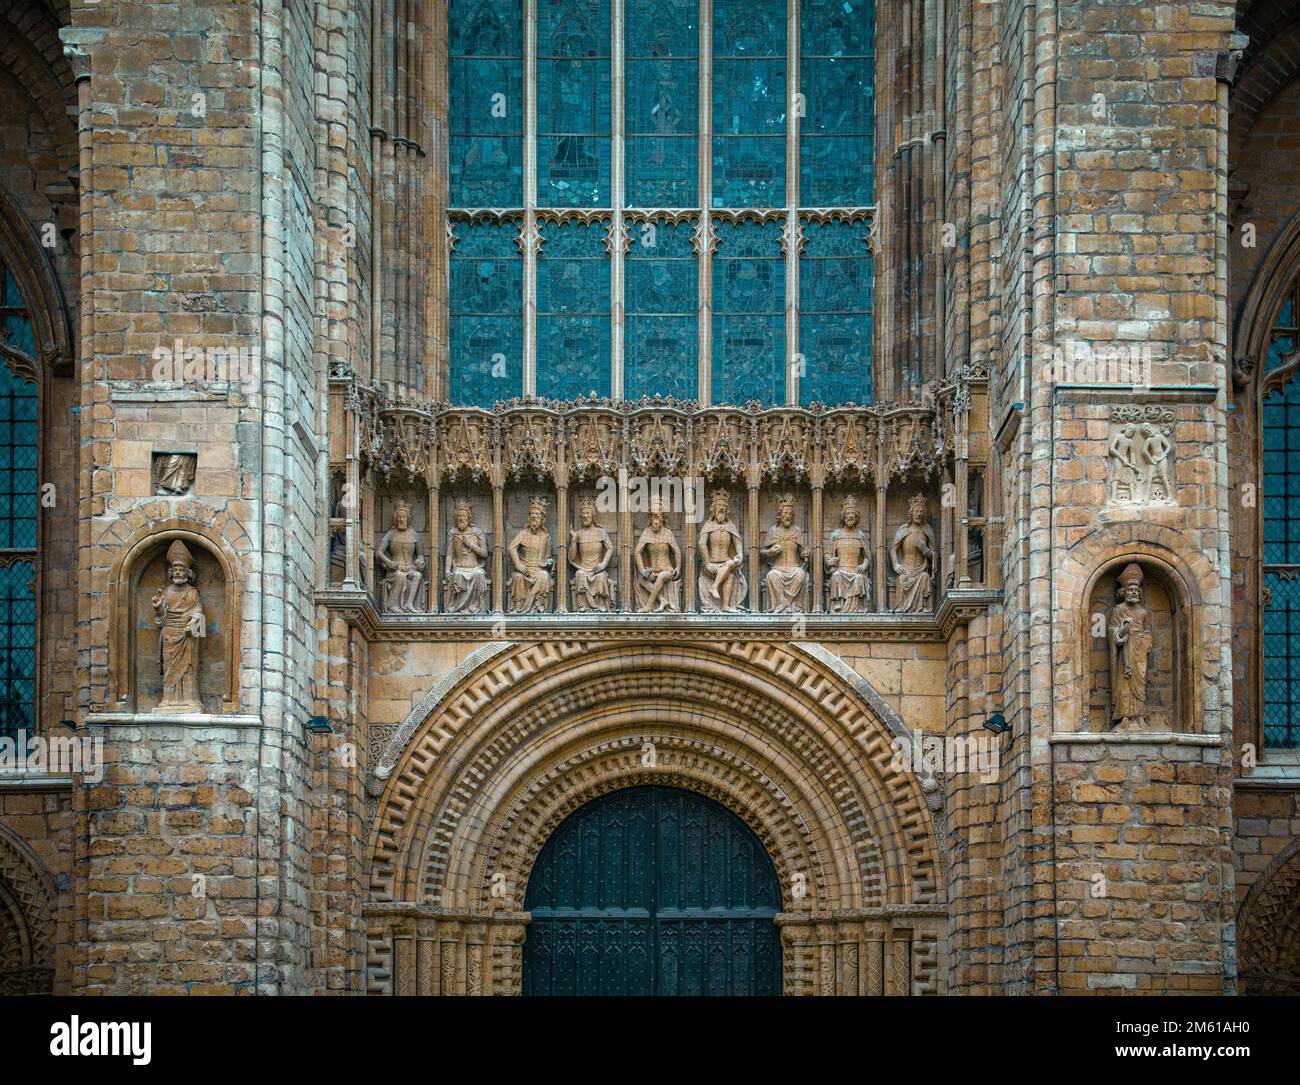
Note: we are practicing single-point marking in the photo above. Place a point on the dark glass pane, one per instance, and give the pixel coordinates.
(486, 307)
(486, 114)
(573, 310)
(1282, 661)
(18, 462)
(749, 103)
(17, 651)
(835, 314)
(573, 103)
(1281, 465)
(749, 314)
(659, 335)
(836, 78)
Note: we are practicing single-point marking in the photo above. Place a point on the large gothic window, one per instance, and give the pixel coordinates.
(663, 197)
(18, 445)
(1280, 416)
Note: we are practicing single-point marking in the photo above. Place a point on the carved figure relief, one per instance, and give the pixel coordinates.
(590, 552)
(784, 545)
(1139, 456)
(178, 611)
(174, 473)
(658, 561)
(912, 556)
(1130, 634)
(722, 585)
(400, 558)
(531, 583)
(465, 579)
(848, 560)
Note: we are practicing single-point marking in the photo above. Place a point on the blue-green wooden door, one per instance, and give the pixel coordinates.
(652, 891)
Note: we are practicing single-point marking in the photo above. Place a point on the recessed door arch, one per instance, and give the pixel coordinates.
(652, 890)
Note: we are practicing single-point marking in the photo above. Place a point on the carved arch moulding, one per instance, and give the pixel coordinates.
(27, 920)
(219, 580)
(472, 786)
(1268, 928)
(1180, 593)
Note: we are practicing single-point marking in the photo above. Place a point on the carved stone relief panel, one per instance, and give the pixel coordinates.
(173, 473)
(1140, 455)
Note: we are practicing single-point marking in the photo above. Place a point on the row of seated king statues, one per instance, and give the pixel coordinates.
(658, 565)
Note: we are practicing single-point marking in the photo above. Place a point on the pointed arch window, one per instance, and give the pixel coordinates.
(1280, 466)
(699, 170)
(19, 427)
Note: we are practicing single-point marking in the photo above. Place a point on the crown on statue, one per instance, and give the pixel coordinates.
(538, 505)
(917, 502)
(462, 505)
(587, 502)
(785, 501)
(401, 505)
(850, 504)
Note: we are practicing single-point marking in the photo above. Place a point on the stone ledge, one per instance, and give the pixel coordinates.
(1133, 393)
(35, 781)
(1135, 738)
(182, 719)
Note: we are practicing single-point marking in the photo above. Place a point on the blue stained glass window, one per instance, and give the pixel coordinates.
(749, 103)
(1282, 661)
(835, 314)
(661, 75)
(486, 303)
(486, 116)
(836, 77)
(1281, 447)
(748, 313)
(1282, 343)
(659, 332)
(573, 311)
(573, 103)
(17, 648)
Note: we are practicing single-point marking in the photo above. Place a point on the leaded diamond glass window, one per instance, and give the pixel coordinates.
(745, 146)
(19, 422)
(1280, 433)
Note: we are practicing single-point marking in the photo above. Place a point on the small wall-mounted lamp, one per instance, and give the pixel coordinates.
(997, 723)
(320, 725)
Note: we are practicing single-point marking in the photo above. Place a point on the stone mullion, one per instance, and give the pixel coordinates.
(704, 233)
(530, 235)
(817, 529)
(432, 571)
(882, 528)
(561, 541)
(616, 177)
(625, 543)
(351, 488)
(751, 534)
(793, 110)
(961, 467)
(691, 532)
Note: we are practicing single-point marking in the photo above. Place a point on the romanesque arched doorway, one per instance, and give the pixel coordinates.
(652, 891)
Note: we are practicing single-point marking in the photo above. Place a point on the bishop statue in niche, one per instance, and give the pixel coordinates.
(1129, 632)
(178, 611)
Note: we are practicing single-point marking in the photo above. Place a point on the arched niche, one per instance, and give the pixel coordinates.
(133, 649)
(1170, 686)
(414, 496)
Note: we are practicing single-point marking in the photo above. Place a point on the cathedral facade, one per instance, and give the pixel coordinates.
(649, 497)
